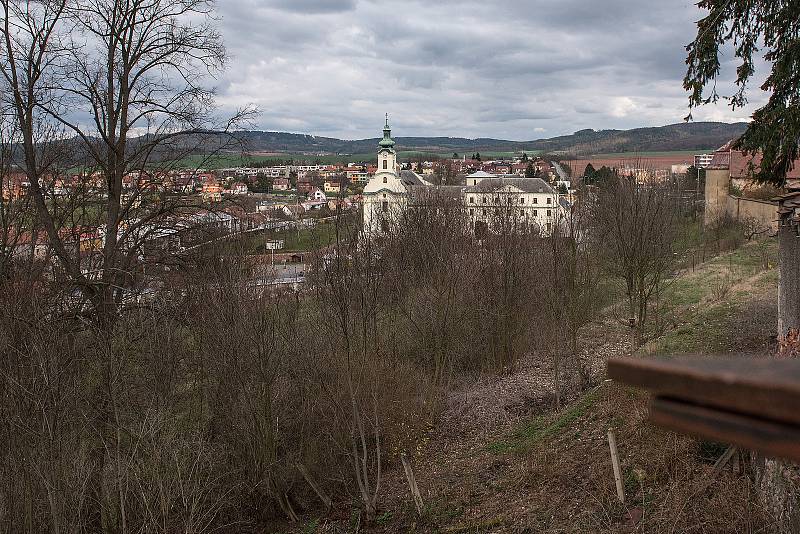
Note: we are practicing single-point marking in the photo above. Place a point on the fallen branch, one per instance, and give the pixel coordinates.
(321, 494)
(412, 483)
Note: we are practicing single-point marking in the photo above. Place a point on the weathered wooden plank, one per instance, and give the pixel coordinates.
(761, 388)
(775, 439)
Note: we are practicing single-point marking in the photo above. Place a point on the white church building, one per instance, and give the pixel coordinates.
(484, 196)
(389, 189)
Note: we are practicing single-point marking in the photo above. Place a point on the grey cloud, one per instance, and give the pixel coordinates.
(314, 6)
(503, 68)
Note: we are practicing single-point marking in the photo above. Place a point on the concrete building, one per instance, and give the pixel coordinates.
(701, 161)
(530, 200)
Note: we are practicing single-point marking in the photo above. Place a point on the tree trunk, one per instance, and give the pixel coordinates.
(776, 479)
(789, 281)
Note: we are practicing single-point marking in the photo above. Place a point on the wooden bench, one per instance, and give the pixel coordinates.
(752, 403)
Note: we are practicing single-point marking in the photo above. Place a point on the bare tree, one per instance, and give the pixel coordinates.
(569, 289)
(136, 70)
(348, 285)
(635, 226)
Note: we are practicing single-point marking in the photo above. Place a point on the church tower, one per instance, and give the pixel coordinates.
(385, 193)
(387, 157)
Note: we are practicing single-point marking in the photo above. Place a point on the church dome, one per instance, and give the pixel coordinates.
(387, 141)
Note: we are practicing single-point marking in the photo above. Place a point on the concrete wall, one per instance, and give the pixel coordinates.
(716, 193)
(719, 201)
(764, 211)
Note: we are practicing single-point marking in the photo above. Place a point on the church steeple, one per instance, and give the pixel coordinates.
(387, 157)
(387, 141)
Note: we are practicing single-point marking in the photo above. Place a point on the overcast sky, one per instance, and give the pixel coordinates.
(511, 69)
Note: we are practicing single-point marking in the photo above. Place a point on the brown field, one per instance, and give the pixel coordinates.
(655, 162)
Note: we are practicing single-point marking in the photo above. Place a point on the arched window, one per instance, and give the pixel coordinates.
(385, 164)
(384, 178)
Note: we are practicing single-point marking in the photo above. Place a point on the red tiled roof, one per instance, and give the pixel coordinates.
(738, 162)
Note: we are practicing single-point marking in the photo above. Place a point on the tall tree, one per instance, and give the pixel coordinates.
(752, 26)
(530, 171)
(104, 72)
(637, 223)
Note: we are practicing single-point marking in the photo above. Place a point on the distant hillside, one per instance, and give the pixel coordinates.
(683, 136)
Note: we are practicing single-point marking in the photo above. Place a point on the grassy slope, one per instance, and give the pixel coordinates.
(726, 306)
(552, 473)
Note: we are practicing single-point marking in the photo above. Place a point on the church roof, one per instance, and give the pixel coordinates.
(410, 178)
(528, 185)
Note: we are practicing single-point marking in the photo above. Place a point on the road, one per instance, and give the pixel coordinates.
(562, 174)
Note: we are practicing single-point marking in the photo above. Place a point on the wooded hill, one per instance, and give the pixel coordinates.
(682, 136)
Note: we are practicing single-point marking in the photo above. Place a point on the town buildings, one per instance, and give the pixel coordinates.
(485, 196)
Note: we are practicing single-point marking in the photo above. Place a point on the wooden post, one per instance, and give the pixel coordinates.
(612, 444)
(412, 482)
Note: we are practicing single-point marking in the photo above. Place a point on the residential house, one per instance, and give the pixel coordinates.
(333, 187)
(316, 195)
(240, 188)
(212, 191)
(281, 184)
(294, 211)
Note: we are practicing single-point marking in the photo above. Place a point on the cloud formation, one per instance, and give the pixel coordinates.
(512, 69)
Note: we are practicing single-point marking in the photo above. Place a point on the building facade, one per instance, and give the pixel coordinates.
(389, 189)
(530, 201)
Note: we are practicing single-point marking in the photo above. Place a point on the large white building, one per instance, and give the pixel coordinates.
(528, 200)
(390, 188)
(485, 196)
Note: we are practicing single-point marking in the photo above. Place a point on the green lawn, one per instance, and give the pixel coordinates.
(304, 240)
(727, 306)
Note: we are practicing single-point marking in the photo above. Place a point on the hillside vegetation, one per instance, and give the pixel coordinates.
(499, 461)
(683, 136)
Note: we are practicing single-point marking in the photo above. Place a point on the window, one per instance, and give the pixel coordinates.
(385, 206)
(472, 200)
(521, 213)
(549, 226)
(385, 164)
(497, 200)
(471, 211)
(549, 213)
(484, 200)
(549, 200)
(522, 200)
(384, 178)
(535, 213)
(484, 212)
(535, 200)
(384, 226)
